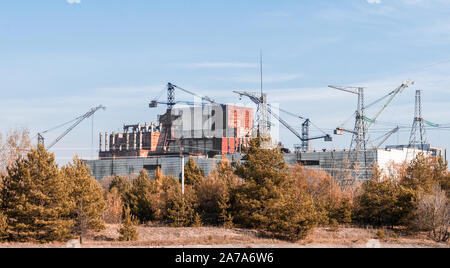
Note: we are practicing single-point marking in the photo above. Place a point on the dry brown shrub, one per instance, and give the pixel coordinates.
(328, 195)
(16, 144)
(433, 214)
(114, 206)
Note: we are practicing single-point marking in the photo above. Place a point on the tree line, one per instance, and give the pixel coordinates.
(41, 202)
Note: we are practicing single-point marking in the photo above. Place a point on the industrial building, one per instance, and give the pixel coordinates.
(333, 162)
(207, 132)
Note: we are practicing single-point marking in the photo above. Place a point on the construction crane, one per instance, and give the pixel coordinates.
(257, 100)
(359, 140)
(305, 129)
(155, 103)
(391, 97)
(387, 136)
(171, 97)
(168, 118)
(360, 130)
(370, 121)
(363, 123)
(77, 121)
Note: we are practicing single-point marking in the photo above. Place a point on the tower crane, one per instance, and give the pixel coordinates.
(77, 121)
(387, 136)
(305, 129)
(168, 118)
(359, 140)
(391, 97)
(171, 97)
(155, 103)
(370, 121)
(363, 123)
(256, 99)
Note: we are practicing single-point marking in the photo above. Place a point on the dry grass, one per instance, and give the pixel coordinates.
(204, 237)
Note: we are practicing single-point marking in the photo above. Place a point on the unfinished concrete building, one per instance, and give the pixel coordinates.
(202, 131)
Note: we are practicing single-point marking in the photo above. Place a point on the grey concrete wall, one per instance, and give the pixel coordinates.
(333, 162)
(168, 165)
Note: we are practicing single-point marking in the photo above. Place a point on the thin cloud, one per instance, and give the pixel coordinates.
(374, 1)
(74, 1)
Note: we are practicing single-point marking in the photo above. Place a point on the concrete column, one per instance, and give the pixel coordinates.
(113, 142)
(127, 141)
(140, 140)
(134, 140)
(106, 142)
(100, 142)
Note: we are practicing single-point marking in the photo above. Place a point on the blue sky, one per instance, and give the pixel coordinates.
(58, 59)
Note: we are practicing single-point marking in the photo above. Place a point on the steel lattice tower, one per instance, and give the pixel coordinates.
(305, 135)
(417, 139)
(358, 146)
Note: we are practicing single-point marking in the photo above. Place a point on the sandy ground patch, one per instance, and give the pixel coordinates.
(214, 237)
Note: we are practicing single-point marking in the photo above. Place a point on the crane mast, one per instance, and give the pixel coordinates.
(168, 118)
(388, 135)
(77, 122)
(302, 137)
(392, 95)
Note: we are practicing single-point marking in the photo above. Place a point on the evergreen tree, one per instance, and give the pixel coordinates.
(3, 227)
(140, 199)
(225, 171)
(128, 230)
(197, 221)
(35, 199)
(424, 172)
(86, 195)
(181, 208)
(225, 217)
(384, 203)
(268, 199)
(163, 188)
(344, 212)
(122, 185)
(192, 173)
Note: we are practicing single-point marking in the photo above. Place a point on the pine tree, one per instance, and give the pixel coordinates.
(122, 185)
(128, 230)
(225, 217)
(269, 200)
(139, 198)
(197, 221)
(35, 199)
(181, 208)
(424, 172)
(343, 213)
(384, 203)
(86, 195)
(162, 187)
(3, 227)
(192, 173)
